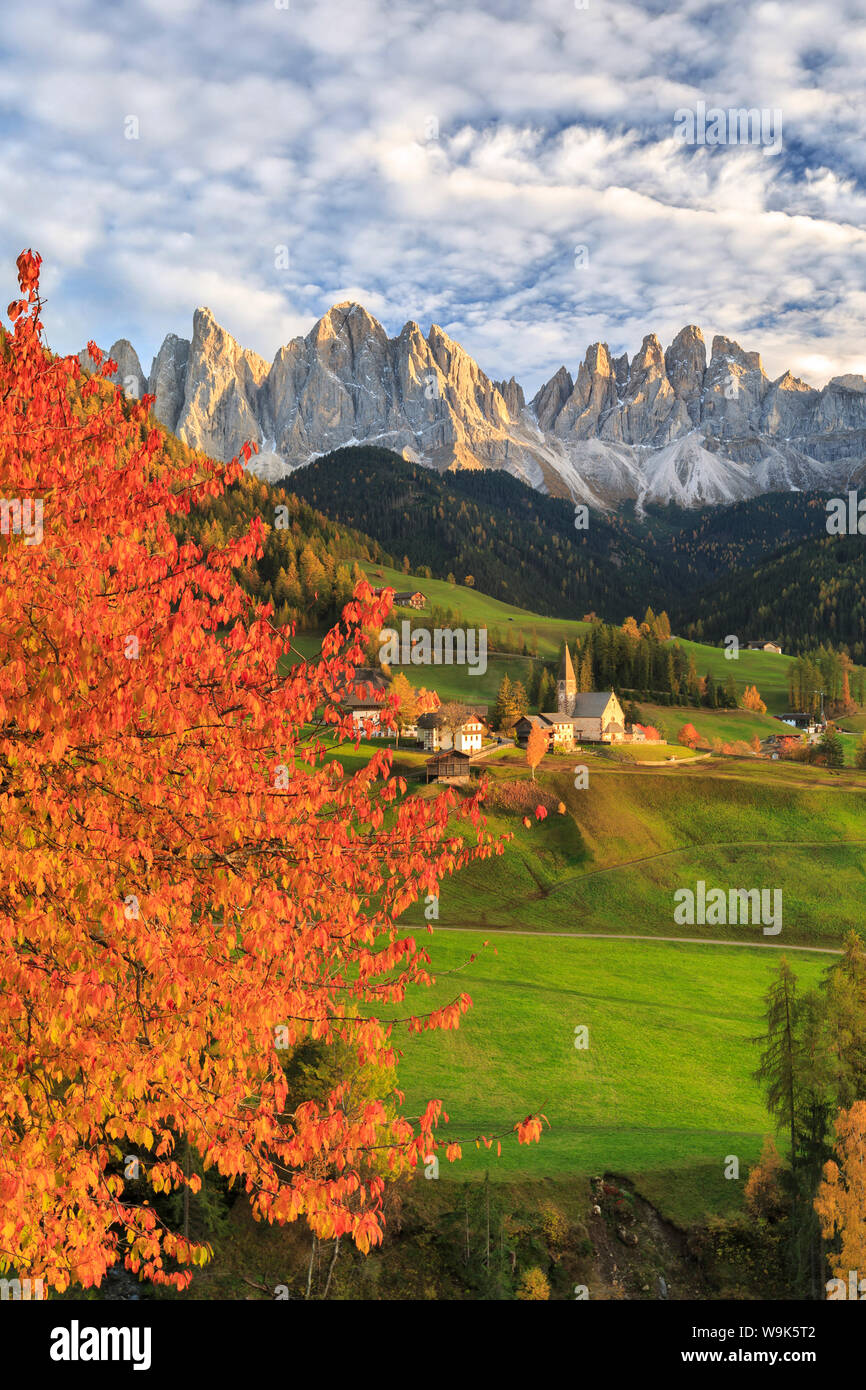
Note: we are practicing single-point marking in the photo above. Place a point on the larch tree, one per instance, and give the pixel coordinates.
(752, 700)
(190, 889)
(780, 1064)
(405, 702)
(536, 747)
(841, 1200)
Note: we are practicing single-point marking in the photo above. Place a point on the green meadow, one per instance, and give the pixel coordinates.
(612, 861)
(663, 1093)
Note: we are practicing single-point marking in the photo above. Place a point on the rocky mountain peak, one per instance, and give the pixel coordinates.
(512, 394)
(649, 360)
(849, 382)
(669, 425)
(551, 397)
(685, 365)
(726, 350)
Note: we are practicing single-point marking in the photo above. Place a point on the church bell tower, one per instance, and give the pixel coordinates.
(566, 686)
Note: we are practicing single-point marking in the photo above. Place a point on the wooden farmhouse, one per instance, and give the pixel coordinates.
(558, 729)
(407, 599)
(451, 767)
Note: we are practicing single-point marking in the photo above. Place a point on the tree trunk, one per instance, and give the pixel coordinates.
(789, 1043)
(331, 1270)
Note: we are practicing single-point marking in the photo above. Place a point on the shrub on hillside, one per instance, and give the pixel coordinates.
(533, 1286)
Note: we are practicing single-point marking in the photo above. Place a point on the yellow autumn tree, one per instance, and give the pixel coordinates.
(763, 1191)
(404, 698)
(752, 700)
(841, 1199)
(534, 1286)
(536, 747)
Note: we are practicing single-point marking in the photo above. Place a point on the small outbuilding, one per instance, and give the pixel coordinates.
(451, 767)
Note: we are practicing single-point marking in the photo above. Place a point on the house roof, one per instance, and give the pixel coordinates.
(435, 719)
(592, 704)
(368, 678)
(450, 755)
(555, 717)
(536, 720)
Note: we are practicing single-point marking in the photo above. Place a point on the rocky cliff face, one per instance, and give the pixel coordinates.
(669, 425)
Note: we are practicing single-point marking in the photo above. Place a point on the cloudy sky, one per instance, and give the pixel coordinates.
(511, 170)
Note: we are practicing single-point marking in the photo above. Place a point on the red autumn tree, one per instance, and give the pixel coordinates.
(688, 736)
(188, 887)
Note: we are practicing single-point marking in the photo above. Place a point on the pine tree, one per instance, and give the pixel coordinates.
(547, 693)
(504, 707)
(533, 681)
(831, 747)
(731, 695)
(779, 1067)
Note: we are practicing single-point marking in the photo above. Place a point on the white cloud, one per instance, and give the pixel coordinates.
(443, 162)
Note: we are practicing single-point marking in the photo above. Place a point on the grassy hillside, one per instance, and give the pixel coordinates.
(664, 1091)
(729, 725)
(478, 609)
(766, 670)
(635, 835)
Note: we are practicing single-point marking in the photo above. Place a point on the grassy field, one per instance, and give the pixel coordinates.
(650, 752)
(662, 1094)
(767, 670)
(731, 726)
(613, 861)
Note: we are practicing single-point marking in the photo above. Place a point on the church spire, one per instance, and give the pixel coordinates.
(566, 686)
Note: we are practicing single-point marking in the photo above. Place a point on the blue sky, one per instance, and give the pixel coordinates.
(440, 163)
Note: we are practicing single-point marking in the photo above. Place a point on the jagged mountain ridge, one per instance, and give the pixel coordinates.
(671, 425)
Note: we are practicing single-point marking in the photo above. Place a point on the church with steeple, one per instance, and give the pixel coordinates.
(596, 714)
